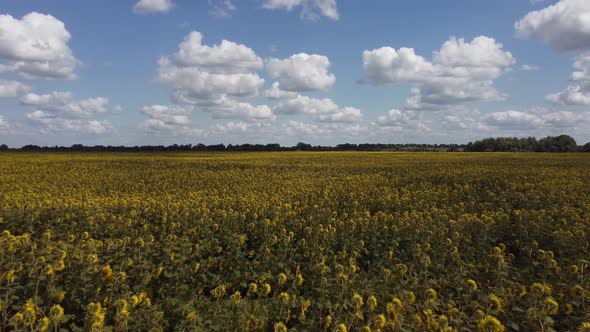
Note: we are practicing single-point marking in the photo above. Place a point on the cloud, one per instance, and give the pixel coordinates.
(578, 92)
(572, 95)
(311, 9)
(402, 120)
(544, 119)
(36, 47)
(513, 120)
(241, 110)
(152, 6)
(64, 104)
(12, 89)
(221, 8)
(276, 93)
(166, 118)
(459, 72)
(51, 124)
(210, 77)
(325, 110)
(3, 123)
(301, 72)
(564, 25)
(60, 111)
(528, 68)
(336, 131)
(225, 58)
(461, 119)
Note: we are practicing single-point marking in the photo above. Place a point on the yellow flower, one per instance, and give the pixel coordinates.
(107, 274)
(305, 305)
(280, 327)
(123, 307)
(284, 297)
(252, 288)
(17, 319)
(372, 303)
(409, 297)
(585, 327)
(282, 278)
(431, 295)
(328, 323)
(417, 320)
(48, 270)
(44, 326)
(472, 285)
(551, 306)
(342, 328)
(299, 280)
(56, 313)
(267, 289)
(393, 309)
(357, 301)
(30, 312)
(569, 309)
(191, 316)
(577, 291)
(490, 324)
(11, 276)
(158, 271)
(219, 291)
(496, 304)
(237, 297)
(540, 289)
(60, 265)
(380, 321)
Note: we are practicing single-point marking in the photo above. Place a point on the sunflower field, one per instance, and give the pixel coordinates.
(294, 242)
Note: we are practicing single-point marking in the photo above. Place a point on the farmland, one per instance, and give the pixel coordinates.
(295, 242)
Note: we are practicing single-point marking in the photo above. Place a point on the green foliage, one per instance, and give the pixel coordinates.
(562, 143)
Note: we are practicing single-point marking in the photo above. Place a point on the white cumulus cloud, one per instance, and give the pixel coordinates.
(162, 118)
(12, 89)
(564, 25)
(36, 46)
(459, 72)
(402, 120)
(152, 6)
(276, 93)
(535, 120)
(310, 9)
(578, 92)
(325, 110)
(61, 111)
(302, 72)
(212, 77)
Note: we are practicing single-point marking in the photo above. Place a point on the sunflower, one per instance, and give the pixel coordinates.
(56, 313)
(280, 327)
(585, 327)
(490, 324)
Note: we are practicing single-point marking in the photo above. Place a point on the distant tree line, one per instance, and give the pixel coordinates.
(561, 143)
(242, 147)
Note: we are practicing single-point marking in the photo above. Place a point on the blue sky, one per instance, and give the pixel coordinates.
(157, 72)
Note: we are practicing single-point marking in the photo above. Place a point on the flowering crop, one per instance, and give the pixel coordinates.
(295, 242)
